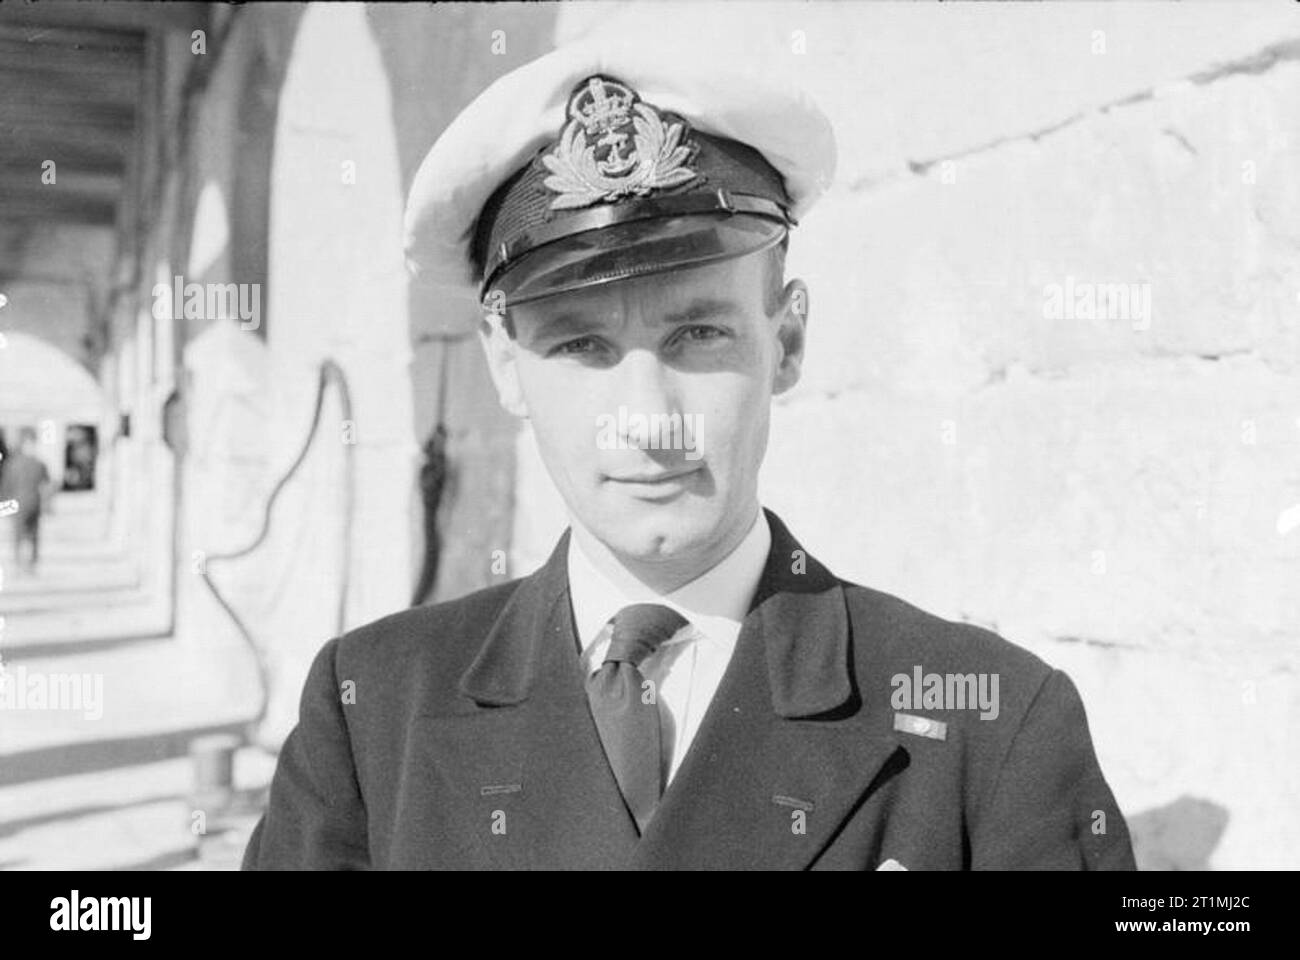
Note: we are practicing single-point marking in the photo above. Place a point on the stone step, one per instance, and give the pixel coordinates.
(143, 816)
(116, 616)
(110, 785)
(58, 579)
(21, 597)
(149, 687)
(60, 528)
(71, 551)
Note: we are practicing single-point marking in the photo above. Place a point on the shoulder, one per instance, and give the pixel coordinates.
(1011, 744)
(429, 642)
(898, 647)
(900, 629)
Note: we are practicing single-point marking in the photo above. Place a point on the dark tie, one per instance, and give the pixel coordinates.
(628, 725)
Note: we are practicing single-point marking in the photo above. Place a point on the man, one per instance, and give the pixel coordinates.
(25, 480)
(681, 685)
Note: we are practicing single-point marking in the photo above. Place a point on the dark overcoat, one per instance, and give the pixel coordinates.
(458, 736)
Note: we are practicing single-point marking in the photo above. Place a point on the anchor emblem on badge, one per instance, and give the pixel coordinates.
(614, 145)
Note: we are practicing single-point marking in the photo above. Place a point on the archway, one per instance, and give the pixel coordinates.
(337, 293)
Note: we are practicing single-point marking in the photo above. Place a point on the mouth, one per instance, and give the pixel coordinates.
(656, 483)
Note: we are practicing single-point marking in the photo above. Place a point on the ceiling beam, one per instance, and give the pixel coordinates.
(69, 157)
(86, 87)
(112, 15)
(101, 186)
(49, 58)
(92, 40)
(88, 149)
(36, 114)
(56, 205)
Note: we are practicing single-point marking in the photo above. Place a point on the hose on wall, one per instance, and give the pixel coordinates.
(329, 372)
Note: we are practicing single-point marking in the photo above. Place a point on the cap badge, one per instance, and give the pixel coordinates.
(614, 145)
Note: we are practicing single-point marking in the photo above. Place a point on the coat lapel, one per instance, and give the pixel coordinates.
(565, 810)
(784, 754)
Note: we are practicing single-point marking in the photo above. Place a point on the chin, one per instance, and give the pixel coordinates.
(657, 531)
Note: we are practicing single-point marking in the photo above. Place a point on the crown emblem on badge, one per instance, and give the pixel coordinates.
(614, 145)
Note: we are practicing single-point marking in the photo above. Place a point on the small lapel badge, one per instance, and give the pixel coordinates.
(892, 864)
(921, 726)
(782, 800)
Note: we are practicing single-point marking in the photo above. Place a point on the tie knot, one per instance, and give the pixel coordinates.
(639, 630)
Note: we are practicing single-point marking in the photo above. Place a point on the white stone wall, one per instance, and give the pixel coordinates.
(1110, 493)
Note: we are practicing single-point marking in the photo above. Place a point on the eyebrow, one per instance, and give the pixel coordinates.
(578, 322)
(704, 307)
(564, 324)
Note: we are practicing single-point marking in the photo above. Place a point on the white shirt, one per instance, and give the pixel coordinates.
(688, 667)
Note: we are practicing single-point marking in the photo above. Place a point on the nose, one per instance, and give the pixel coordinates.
(645, 386)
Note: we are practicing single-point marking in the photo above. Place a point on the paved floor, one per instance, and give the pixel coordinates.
(83, 574)
(99, 776)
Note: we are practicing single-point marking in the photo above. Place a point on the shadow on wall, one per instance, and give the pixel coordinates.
(1178, 836)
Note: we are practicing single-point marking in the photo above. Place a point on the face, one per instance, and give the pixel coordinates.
(649, 399)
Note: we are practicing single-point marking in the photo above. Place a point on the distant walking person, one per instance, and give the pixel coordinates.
(26, 479)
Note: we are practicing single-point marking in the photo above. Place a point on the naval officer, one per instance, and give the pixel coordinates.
(682, 684)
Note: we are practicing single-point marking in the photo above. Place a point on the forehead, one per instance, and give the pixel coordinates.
(733, 286)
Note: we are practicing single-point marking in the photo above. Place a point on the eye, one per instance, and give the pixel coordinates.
(700, 333)
(574, 348)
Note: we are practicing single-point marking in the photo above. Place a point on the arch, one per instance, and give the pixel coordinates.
(36, 377)
(58, 315)
(39, 383)
(336, 292)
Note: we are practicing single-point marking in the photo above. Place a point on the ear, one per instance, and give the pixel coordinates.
(500, 350)
(792, 317)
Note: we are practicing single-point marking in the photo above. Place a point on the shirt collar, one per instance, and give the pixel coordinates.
(715, 602)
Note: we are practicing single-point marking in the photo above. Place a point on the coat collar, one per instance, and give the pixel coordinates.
(799, 604)
(785, 754)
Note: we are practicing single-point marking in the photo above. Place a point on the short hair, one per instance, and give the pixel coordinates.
(775, 279)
